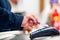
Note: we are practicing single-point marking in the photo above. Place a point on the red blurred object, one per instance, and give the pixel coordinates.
(55, 13)
(14, 1)
(55, 20)
(58, 28)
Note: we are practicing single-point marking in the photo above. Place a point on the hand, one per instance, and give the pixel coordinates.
(29, 22)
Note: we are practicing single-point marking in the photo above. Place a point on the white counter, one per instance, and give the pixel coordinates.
(9, 34)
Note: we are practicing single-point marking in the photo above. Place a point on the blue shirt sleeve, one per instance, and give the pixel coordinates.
(9, 21)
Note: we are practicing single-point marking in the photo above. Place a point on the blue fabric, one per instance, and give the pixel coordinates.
(8, 20)
(5, 4)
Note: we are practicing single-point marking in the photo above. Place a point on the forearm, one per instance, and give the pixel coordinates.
(9, 21)
(17, 22)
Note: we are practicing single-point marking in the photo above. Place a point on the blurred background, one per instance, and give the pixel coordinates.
(46, 11)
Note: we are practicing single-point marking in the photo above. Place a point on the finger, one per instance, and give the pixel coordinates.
(28, 29)
(32, 18)
(35, 26)
(36, 19)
